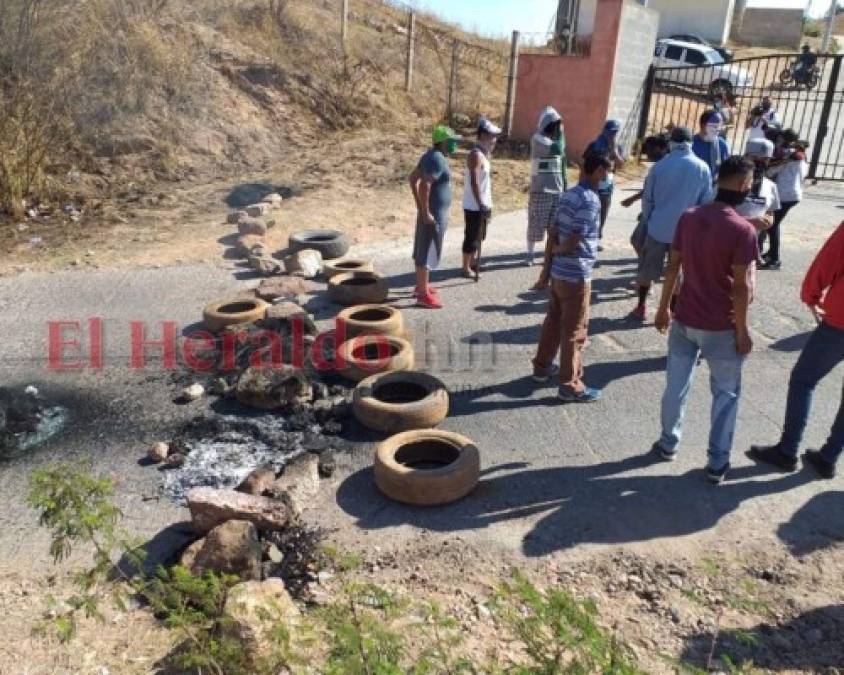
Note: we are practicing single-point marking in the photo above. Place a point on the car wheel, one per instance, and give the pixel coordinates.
(400, 401)
(427, 468)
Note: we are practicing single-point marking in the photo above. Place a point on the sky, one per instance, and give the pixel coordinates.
(500, 17)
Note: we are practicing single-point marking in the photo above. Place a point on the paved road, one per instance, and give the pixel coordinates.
(556, 479)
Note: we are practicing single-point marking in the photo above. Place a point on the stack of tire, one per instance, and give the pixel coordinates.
(417, 464)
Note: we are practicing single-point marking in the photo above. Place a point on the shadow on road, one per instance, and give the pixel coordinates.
(792, 343)
(595, 504)
(811, 642)
(818, 524)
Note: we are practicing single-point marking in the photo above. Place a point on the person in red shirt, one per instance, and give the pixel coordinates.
(823, 292)
(716, 250)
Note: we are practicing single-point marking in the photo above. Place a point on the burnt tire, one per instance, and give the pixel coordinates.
(345, 265)
(330, 243)
(358, 288)
(367, 355)
(400, 401)
(371, 319)
(427, 468)
(233, 312)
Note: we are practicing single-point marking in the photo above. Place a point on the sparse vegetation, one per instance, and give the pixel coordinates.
(364, 630)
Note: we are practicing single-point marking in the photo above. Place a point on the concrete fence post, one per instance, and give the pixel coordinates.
(344, 22)
(511, 84)
(411, 48)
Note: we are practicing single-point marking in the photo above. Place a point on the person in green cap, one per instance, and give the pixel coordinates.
(430, 183)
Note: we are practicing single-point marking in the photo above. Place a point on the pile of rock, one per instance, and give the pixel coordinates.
(253, 222)
(254, 532)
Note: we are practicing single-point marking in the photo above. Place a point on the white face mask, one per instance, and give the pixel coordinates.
(711, 132)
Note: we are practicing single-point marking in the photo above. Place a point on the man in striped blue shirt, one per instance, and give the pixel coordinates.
(576, 248)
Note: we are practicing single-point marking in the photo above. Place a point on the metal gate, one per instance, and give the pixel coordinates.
(815, 110)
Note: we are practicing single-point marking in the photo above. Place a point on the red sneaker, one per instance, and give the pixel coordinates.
(429, 301)
(431, 290)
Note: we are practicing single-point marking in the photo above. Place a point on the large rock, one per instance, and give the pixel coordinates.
(300, 481)
(257, 210)
(272, 388)
(306, 262)
(255, 610)
(210, 507)
(274, 200)
(266, 266)
(259, 481)
(230, 548)
(287, 288)
(248, 244)
(251, 227)
(286, 311)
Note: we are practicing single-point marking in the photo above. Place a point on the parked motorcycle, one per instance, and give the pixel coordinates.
(801, 77)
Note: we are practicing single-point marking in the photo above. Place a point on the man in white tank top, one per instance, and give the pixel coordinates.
(477, 194)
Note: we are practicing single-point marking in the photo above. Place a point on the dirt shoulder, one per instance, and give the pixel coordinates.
(767, 608)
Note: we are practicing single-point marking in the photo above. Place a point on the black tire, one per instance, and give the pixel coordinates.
(427, 468)
(786, 76)
(813, 81)
(330, 243)
(400, 401)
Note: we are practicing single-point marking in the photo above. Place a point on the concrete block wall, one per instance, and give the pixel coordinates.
(771, 27)
(633, 59)
(577, 86)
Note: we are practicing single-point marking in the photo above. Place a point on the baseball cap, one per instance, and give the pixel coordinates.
(444, 133)
(612, 126)
(681, 135)
(759, 147)
(712, 117)
(487, 127)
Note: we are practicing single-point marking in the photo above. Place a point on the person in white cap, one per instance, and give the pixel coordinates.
(764, 198)
(547, 181)
(477, 194)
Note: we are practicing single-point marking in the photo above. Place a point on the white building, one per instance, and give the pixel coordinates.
(769, 20)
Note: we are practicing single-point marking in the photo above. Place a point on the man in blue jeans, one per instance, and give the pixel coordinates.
(823, 292)
(715, 249)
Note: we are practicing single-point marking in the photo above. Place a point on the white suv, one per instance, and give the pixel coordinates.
(698, 66)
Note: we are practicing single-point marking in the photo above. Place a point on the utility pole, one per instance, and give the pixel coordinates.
(830, 26)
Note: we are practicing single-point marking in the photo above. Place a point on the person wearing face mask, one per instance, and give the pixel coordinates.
(674, 184)
(715, 249)
(607, 144)
(788, 172)
(547, 182)
(430, 183)
(477, 194)
(762, 117)
(708, 144)
(764, 198)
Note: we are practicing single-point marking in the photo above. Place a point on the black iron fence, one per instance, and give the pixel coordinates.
(810, 101)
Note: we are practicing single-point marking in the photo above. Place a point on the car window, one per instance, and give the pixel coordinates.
(673, 52)
(714, 57)
(695, 58)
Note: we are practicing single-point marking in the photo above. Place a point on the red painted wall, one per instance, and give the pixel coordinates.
(578, 87)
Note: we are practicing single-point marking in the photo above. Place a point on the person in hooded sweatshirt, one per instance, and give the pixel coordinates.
(547, 182)
(607, 145)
